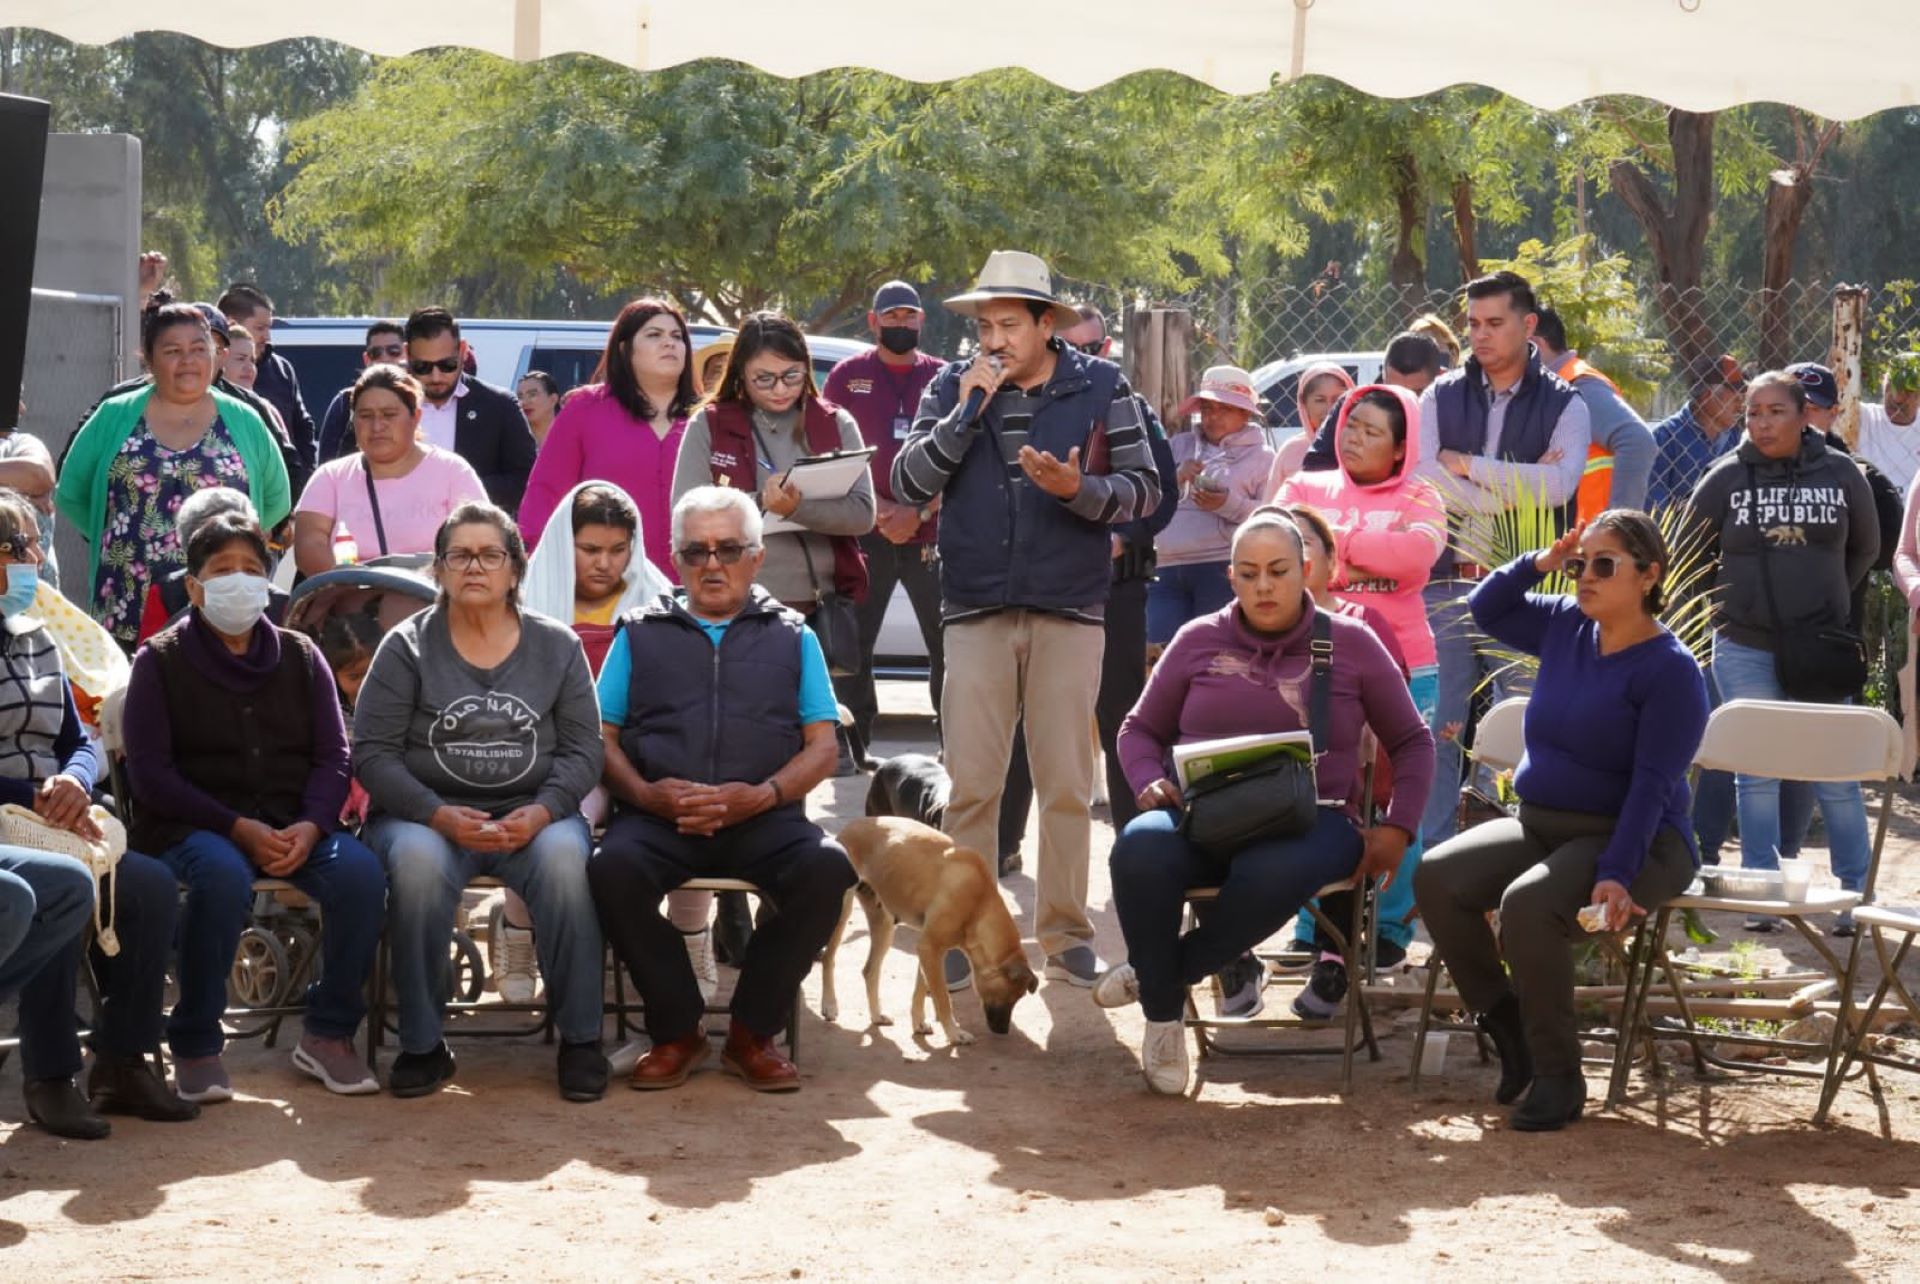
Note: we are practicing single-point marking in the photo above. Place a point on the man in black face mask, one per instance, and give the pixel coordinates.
(881, 390)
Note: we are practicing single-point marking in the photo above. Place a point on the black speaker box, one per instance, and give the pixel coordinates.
(23, 160)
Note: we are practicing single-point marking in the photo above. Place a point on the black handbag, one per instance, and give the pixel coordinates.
(1275, 798)
(1815, 663)
(836, 622)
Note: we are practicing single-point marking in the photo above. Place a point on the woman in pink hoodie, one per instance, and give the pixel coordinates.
(1389, 526)
(1320, 386)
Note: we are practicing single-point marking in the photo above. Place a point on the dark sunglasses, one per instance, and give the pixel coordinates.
(445, 365)
(1092, 349)
(392, 351)
(728, 554)
(1604, 565)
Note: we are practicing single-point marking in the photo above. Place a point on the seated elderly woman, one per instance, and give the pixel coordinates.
(476, 735)
(48, 763)
(1616, 714)
(719, 717)
(1246, 670)
(237, 754)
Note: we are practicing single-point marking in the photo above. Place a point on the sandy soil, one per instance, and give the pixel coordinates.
(1035, 1155)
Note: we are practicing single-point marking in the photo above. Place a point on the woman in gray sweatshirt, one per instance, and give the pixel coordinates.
(476, 735)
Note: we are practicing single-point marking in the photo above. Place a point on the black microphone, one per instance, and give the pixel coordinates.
(977, 398)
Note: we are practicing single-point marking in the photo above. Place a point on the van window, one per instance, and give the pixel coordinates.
(323, 370)
(570, 367)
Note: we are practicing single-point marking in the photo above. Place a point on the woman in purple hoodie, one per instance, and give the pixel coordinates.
(1244, 670)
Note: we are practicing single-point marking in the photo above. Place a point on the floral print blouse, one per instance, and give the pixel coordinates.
(146, 484)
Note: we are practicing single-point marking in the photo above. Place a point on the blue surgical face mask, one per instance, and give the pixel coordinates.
(23, 581)
(234, 603)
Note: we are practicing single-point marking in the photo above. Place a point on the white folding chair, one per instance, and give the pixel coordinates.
(1499, 741)
(1788, 741)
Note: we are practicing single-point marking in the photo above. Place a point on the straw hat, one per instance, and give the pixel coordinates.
(1013, 274)
(1227, 385)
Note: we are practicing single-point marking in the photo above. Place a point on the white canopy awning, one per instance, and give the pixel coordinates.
(1842, 59)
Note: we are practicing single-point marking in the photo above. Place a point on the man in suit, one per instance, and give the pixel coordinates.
(476, 421)
(248, 307)
(386, 342)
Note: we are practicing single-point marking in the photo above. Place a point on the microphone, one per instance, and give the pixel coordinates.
(977, 398)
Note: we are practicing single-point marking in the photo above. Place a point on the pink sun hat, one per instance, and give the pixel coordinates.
(1227, 385)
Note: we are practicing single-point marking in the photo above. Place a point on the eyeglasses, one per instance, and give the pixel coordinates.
(1603, 565)
(1092, 349)
(462, 560)
(445, 365)
(787, 378)
(19, 545)
(727, 554)
(391, 351)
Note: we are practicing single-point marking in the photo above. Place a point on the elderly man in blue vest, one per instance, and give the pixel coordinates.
(718, 716)
(1037, 451)
(1500, 431)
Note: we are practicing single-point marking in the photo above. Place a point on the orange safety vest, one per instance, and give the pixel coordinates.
(1596, 479)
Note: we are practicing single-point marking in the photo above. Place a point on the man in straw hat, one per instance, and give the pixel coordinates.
(1032, 474)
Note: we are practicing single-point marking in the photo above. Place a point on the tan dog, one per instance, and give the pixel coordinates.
(912, 873)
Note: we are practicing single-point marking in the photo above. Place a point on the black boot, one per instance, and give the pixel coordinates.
(732, 928)
(1555, 1101)
(1501, 1023)
(57, 1106)
(130, 1086)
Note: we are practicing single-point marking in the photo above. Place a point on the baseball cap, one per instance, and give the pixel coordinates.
(1822, 389)
(216, 319)
(896, 294)
(1716, 372)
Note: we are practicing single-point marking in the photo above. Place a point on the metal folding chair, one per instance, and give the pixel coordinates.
(621, 1008)
(1499, 741)
(1787, 741)
(1353, 942)
(1856, 1026)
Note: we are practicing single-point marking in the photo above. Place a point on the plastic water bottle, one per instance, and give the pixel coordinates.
(345, 551)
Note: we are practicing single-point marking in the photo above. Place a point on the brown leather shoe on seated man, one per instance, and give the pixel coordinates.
(755, 1059)
(667, 1065)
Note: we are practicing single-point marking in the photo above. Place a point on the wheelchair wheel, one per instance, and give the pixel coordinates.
(302, 947)
(469, 969)
(260, 977)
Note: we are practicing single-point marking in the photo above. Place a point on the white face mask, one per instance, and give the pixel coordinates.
(233, 604)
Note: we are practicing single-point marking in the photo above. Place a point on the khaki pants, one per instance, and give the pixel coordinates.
(998, 667)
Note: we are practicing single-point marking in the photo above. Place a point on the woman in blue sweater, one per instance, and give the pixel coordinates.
(1616, 714)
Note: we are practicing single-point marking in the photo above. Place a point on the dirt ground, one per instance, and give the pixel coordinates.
(1035, 1155)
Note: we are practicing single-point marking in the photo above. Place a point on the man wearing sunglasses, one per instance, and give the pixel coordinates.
(482, 424)
(386, 344)
(718, 718)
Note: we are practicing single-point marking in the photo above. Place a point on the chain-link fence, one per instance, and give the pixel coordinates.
(1643, 339)
(74, 346)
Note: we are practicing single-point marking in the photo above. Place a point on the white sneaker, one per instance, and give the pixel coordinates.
(519, 970)
(1163, 1057)
(1117, 987)
(705, 970)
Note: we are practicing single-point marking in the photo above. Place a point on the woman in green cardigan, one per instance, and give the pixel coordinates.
(141, 453)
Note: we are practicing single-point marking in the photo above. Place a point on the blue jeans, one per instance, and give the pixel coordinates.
(44, 965)
(1261, 887)
(342, 877)
(1396, 902)
(1181, 593)
(1463, 664)
(425, 876)
(1744, 672)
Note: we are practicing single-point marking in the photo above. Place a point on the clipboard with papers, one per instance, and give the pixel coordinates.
(822, 477)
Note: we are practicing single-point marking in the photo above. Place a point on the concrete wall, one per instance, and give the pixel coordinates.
(90, 220)
(82, 329)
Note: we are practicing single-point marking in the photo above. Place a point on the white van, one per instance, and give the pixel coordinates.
(325, 351)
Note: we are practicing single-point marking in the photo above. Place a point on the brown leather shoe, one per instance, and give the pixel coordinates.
(667, 1065)
(758, 1062)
